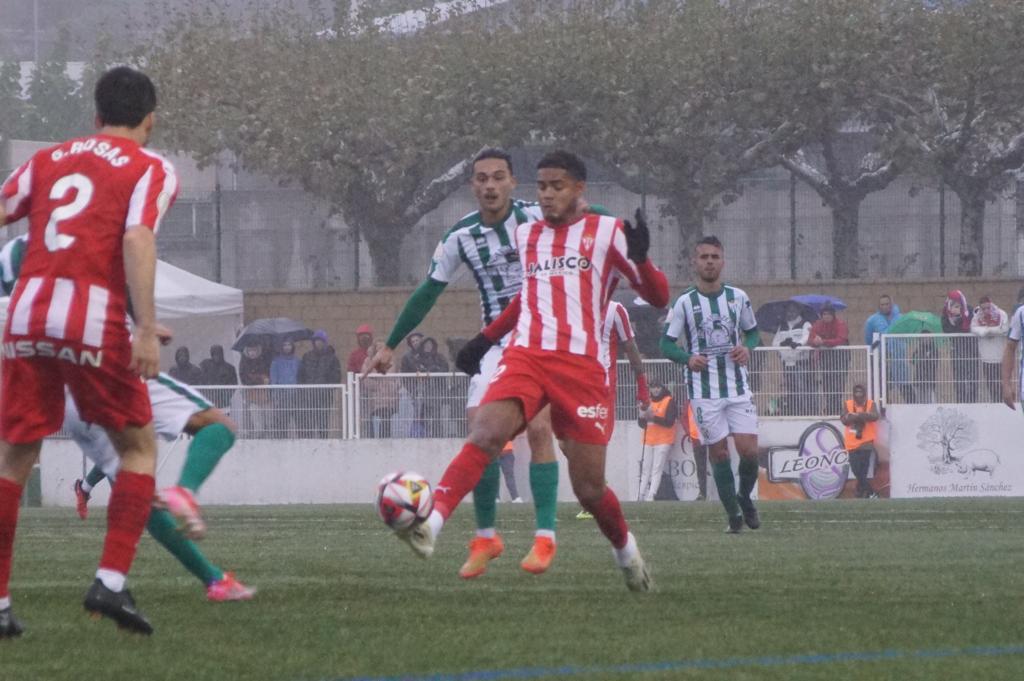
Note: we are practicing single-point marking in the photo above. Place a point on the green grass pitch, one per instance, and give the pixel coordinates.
(888, 589)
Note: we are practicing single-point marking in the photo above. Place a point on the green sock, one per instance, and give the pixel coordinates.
(726, 484)
(207, 447)
(485, 496)
(544, 485)
(165, 530)
(94, 476)
(748, 477)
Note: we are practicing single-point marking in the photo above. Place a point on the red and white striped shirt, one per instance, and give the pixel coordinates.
(79, 198)
(569, 274)
(616, 329)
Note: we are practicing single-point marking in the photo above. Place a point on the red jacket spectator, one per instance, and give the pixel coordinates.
(356, 358)
(829, 331)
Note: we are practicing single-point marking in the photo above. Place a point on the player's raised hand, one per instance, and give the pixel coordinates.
(638, 237)
(381, 361)
(472, 353)
(145, 353)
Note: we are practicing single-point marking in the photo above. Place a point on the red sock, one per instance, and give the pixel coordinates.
(608, 514)
(127, 513)
(10, 498)
(459, 479)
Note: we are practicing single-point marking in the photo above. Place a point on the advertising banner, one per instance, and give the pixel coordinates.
(817, 466)
(956, 450)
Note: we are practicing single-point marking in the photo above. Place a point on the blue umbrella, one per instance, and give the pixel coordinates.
(818, 301)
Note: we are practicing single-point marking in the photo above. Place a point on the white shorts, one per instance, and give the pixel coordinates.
(719, 418)
(173, 404)
(478, 384)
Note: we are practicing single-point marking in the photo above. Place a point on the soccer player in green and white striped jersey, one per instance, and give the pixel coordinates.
(483, 242)
(716, 322)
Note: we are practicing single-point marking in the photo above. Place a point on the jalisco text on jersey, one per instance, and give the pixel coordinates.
(558, 265)
(102, 149)
(30, 348)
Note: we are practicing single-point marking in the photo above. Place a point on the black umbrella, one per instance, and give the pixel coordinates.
(771, 316)
(271, 331)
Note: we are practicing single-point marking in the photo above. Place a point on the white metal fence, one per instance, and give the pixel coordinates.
(940, 369)
(285, 411)
(808, 381)
(801, 383)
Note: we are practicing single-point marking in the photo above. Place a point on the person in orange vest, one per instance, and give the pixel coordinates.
(860, 416)
(700, 451)
(659, 423)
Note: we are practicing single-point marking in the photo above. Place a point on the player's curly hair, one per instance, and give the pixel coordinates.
(567, 161)
(124, 97)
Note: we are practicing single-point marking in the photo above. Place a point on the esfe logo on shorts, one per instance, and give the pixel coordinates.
(597, 411)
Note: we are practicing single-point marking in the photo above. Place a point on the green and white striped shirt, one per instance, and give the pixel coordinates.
(490, 253)
(712, 326)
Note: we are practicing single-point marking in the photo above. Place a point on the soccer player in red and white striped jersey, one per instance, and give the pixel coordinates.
(93, 205)
(572, 262)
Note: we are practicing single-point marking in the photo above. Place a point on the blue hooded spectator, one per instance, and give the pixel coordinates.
(888, 312)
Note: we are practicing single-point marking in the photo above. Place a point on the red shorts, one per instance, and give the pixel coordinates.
(32, 388)
(574, 385)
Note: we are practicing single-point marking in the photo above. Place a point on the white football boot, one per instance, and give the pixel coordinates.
(420, 537)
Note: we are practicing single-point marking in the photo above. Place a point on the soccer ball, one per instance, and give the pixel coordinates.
(404, 499)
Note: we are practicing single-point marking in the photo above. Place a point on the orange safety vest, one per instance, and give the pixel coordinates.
(691, 424)
(660, 435)
(850, 439)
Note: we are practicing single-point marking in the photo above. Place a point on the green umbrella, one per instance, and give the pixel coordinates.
(916, 322)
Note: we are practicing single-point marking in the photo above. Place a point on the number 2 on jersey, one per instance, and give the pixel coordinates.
(54, 240)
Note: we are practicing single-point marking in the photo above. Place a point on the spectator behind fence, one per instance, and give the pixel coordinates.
(184, 370)
(990, 324)
(253, 371)
(412, 363)
(860, 416)
(888, 312)
(437, 387)
(379, 395)
(321, 366)
(415, 389)
(963, 353)
(792, 337)
(217, 371)
(356, 358)
(830, 364)
(925, 361)
(284, 370)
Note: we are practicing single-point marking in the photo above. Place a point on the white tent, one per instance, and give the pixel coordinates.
(200, 312)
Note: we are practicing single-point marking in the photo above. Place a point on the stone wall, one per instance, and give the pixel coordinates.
(457, 312)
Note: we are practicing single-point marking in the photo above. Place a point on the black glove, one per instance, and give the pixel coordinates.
(638, 238)
(468, 359)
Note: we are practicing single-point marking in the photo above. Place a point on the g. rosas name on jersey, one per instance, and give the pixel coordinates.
(102, 149)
